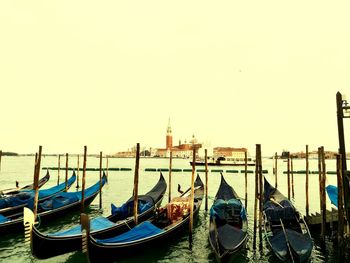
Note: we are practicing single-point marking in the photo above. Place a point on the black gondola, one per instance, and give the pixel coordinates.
(13, 191)
(287, 233)
(52, 244)
(14, 204)
(52, 208)
(228, 226)
(170, 221)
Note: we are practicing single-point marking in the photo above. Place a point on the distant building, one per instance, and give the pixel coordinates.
(312, 155)
(126, 154)
(229, 152)
(183, 150)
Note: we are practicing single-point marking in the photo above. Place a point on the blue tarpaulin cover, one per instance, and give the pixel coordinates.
(97, 223)
(225, 209)
(59, 200)
(26, 197)
(15, 200)
(145, 229)
(58, 188)
(4, 219)
(63, 199)
(332, 192)
(127, 209)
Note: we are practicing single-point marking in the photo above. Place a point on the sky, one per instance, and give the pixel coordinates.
(109, 74)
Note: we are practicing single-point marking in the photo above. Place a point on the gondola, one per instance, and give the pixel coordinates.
(14, 204)
(53, 207)
(287, 233)
(170, 221)
(52, 244)
(13, 191)
(228, 225)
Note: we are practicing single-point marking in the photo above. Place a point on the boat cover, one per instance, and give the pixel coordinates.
(16, 200)
(144, 203)
(59, 200)
(4, 219)
(97, 223)
(275, 212)
(230, 237)
(223, 210)
(53, 190)
(143, 230)
(26, 197)
(332, 192)
(63, 199)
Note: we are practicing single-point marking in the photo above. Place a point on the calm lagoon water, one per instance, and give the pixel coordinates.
(119, 189)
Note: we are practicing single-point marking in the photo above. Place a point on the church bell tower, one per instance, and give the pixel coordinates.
(169, 137)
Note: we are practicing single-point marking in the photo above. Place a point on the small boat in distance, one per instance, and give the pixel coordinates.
(226, 161)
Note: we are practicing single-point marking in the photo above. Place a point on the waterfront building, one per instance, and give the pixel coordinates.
(237, 154)
(183, 150)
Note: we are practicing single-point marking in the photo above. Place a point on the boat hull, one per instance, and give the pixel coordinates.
(111, 252)
(46, 246)
(228, 238)
(287, 242)
(101, 253)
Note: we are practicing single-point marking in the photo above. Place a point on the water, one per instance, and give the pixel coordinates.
(119, 189)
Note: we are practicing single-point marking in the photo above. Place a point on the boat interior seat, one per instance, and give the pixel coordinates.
(229, 215)
(178, 208)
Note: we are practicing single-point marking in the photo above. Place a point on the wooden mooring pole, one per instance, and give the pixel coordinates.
(35, 161)
(275, 170)
(323, 201)
(307, 180)
(206, 179)
(58, 169)
(0, 158)
(66, 172)
(292, 173)
(256, 195)
(288, 175)
(192, 195)
(78, 172)
(36, 182)
(170, 167)
(246, 179)
(321, 179)
(107, 166)
(341, 104)
(100, 180)
(340, 202)
(260, 194)
(83, 182)
(136, 183)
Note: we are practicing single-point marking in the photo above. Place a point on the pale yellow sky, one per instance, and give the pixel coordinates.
(109, 74)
